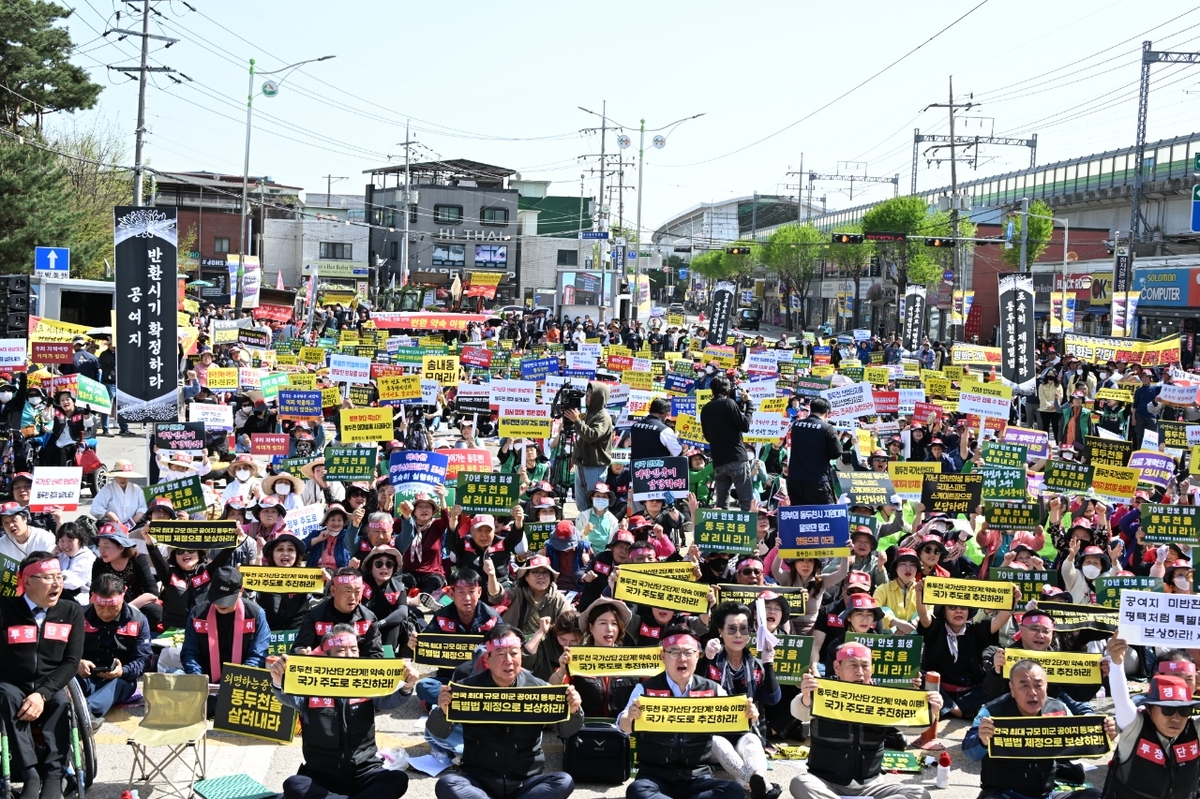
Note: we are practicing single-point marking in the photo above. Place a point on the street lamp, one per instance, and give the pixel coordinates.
(659, 142)
(269, 89)
(1066, 246)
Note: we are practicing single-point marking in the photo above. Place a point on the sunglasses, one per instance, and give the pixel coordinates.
(751, 572)
(1175, 711)
(928, 550)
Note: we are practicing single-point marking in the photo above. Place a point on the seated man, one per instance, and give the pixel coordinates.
(845, 757)
(1034, 778)
(343, 606)
(464, 615)
(338, 734)
(503, 761)
(43, 644)
(116, 648)
(677, 766)
(240, 627)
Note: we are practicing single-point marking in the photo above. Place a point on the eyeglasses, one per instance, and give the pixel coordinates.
(1038, 630)
(742, 629)
(1175, 711)
(928, 550)
(682, 653)
(751, 572)
(540, 573)
(389, 564)
(54, 577)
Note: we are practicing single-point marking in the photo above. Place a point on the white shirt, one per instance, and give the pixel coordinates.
(124, 502)
(39, 541)
(236, 488)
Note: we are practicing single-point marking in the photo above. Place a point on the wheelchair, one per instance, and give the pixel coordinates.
(81, 760)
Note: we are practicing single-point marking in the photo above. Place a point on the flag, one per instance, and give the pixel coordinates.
(279, 280)
(392, 287)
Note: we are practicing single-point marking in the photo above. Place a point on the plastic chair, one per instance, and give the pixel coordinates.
(176, 717)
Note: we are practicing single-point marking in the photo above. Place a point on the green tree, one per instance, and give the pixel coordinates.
(1040, 233)
(96, 188)
(794, 252)
(853, 261)
(907, 216)
(35, 66)
(38, 204)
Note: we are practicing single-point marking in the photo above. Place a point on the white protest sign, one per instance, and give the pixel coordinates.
(1151, 618)
(992, 400)
(760, 391)
(12, 353)
(513, 392)
(766, 428)
(349, 369)
(639, 401)
(215, 417)
(909, 397)
(304, 521)
(618, 394)
(762, 363)
(641, 365)
(1150, 439)
(55, 487)
(593, 351)
(1171, 394)
(584, 363)
(850, 402)
(429, 391)
(251, 378)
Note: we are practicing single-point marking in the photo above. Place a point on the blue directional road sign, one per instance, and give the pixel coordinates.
(1196, 209)
(683, 273)
(52, 261)
(593, 234)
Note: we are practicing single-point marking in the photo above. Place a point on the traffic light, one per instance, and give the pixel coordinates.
(939, 242)
(14, 306)
(737, 250)
(847, 238)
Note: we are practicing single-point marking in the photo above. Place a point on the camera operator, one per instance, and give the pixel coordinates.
(593, 449)
(723, 421)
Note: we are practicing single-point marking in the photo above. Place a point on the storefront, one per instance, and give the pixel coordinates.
(1089, 283)
(344, 274)
(1169, 299)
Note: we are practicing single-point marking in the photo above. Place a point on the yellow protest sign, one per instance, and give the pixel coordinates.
(1117, 394)
(1082, 668)
(331, 398)
(865, 442)
(674, 569)
(344, 677)
(442, 368)
(1194, 461)
(312, 355)
(725, 357)
(348, 337)
(675, 320)
(986, 594)
(1115, 483)
(703, 397)
(937, 386)
(399, 387)
(365, 425)
(869, 704)
(877, 375)
(997, 390)
(305, 381)
(287, 359)
(953, 372)
(638, 380)
(661, 592)
(615, 661)
(221, 378)
(618, 349)
(928, 373)
(823, 371)
(687, 428)
(473, 704)
(774, 405)
(908, 477)
(276, 580)
(692, 714)
(182, 319)
(525, 422)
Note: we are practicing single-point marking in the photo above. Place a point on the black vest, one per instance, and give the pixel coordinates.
(1029, 777)
(680, 756)
(338, 736)
(604, 697)
(502, 754)
(645, 440)
(1154, 771)
(842, 752)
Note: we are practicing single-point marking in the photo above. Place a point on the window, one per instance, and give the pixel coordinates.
(493, 216)
(337, 250)
(395, 250)
(220, 245)
(447, 214)
(412, 214)
(451, 255)
(568, 258)
(491, 254)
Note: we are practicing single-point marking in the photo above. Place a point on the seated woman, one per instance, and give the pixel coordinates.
(532, 604)
(184, 575)
(75, 557)
(603, 624)
(285, 611)
(384, 595)
(118, 555)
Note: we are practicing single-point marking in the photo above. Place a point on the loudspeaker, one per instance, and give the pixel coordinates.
(15, 284)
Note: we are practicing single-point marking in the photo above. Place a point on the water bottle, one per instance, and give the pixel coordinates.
(943, 770)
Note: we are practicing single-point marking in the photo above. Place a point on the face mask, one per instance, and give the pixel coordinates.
(243, 475)
(1182, 583)
(600, 504)
(1104, 375)
(708, 370)
(1091, 572)
(283, 489)
(36, 402)
(6, 396)
(547, 518)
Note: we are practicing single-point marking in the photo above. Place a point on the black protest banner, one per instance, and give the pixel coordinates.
(1030, 582)
(1171, 524)
(487, 493)
(951, 493)
(1018, 332)
(179, 435)
(795, 596)
(914, 317)
(1012, 516)
(1009, 455)
(1048, 737)
(726, 531)
(254, 339)
(1108, 589)
(1108, 451)
(720, 311)
(219, 534)
(544, 704)
(793, 658)
(147, 330)
(895, 659)
(445, 650)
(246, 705)
(659, 478)
(1000, 483)
(350, 463)
(1073, 618)
(1065, 477)
(185, 493)
(867, 488)
(1170, 434)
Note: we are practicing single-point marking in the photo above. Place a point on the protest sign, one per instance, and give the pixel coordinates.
(993, 400)
(9, 570)
(446, 650)
(870, 704)
(1036, 442)
(895, 659)
(188, 436)
(1048, 737)
(415, 470)
(1011, 516)
(281, 641)
(246, 705)
(615, 661)
(689, 431)
(747, 595)
(867, 488)
(1003, 483)
(1100, 349)
(909, 476)
(512, 392)
(1108, 451)
(185, 493)
(221, 378)
(1161, 524)
(1013, 456)
(365, 425)
(659, 478)
(305, 520)
(48, 352)
(1156, 619)
(487, 493)
(661, 592)
(692, 714)
(545, 704)
(1177, 394)
(524, 421)
(217, 534)
(538, 533)
(472, 399)
(1067, 477)
(442, 368)
(350, 463)
(353, 678)
(1115, 484)
(305, 381)
(55, 487)
(1070, 617)
(886, 401)
(279, 580)
(297, 405)
(92, 395)
(726, 531)
(272, 383)
(401, 388)
(1157, 468)
(314, 355)
(900, 762)
(850, 402)
(1077, 668)
(814, 531)
(793, 658)
(766, 428)
(986, 594)
(952, 493)
(1177, 435)
(270, 443)
(671, 569)
(466, 460)
(1109, 588)
(349, 369)
(1030, 582)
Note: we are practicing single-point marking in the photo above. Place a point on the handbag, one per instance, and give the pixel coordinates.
(87, 459)
(598, 753)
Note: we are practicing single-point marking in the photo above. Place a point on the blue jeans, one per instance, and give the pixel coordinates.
(427, 691)
(112, 397)
(103, 694)
(586, 478)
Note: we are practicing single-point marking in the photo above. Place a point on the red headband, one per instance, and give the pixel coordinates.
(503, 641)
(1176, 667)
(681, 638)
(108, 601)
(852, 651)
(345, 639)
(348, 579)
(751, 562)
(36, 567)
(1032, 617)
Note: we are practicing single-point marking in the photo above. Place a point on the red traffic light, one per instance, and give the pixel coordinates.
(847, 238)
(737, 250)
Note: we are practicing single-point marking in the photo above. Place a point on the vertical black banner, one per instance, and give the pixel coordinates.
(147, 332)
(914, 317)
(1018, 338)
(1122, 269)
(723, 303)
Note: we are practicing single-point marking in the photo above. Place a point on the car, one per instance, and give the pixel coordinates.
(517, 311)
(676, 308)
(748, 319)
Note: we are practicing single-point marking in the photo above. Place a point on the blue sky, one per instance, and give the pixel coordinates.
(500, 83)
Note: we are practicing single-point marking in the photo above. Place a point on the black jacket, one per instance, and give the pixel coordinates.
(40, 659)
(814, 444)
(321, 618)
(723, 424)
(126, 638)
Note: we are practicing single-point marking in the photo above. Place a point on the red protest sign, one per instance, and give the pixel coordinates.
(990, 423)
(620, 363)
(886, 401)
(52, 352)
(466, 460)
(922, 411)
(269, 444)
(475, 356)
(387, 369)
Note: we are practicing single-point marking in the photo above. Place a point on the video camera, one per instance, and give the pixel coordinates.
(568, 397)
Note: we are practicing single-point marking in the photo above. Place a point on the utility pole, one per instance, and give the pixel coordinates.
(1025, 235)
(407, 206)
(329, 179)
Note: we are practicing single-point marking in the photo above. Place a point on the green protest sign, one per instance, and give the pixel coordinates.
(1011, 516)
(902, 762)
(8, 576)
(487, 493)
(895, 659)
(271, 384)
(793, 658)
(538, 533)
(1108, 589)
(350, 463)
(1010, 455)
(1064, 477)
(281, 642)
(726, 531)
(185, 493)
(1171, 524)
(92, 394)
(1030, 582)
(1003, 483)
(292, 466)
